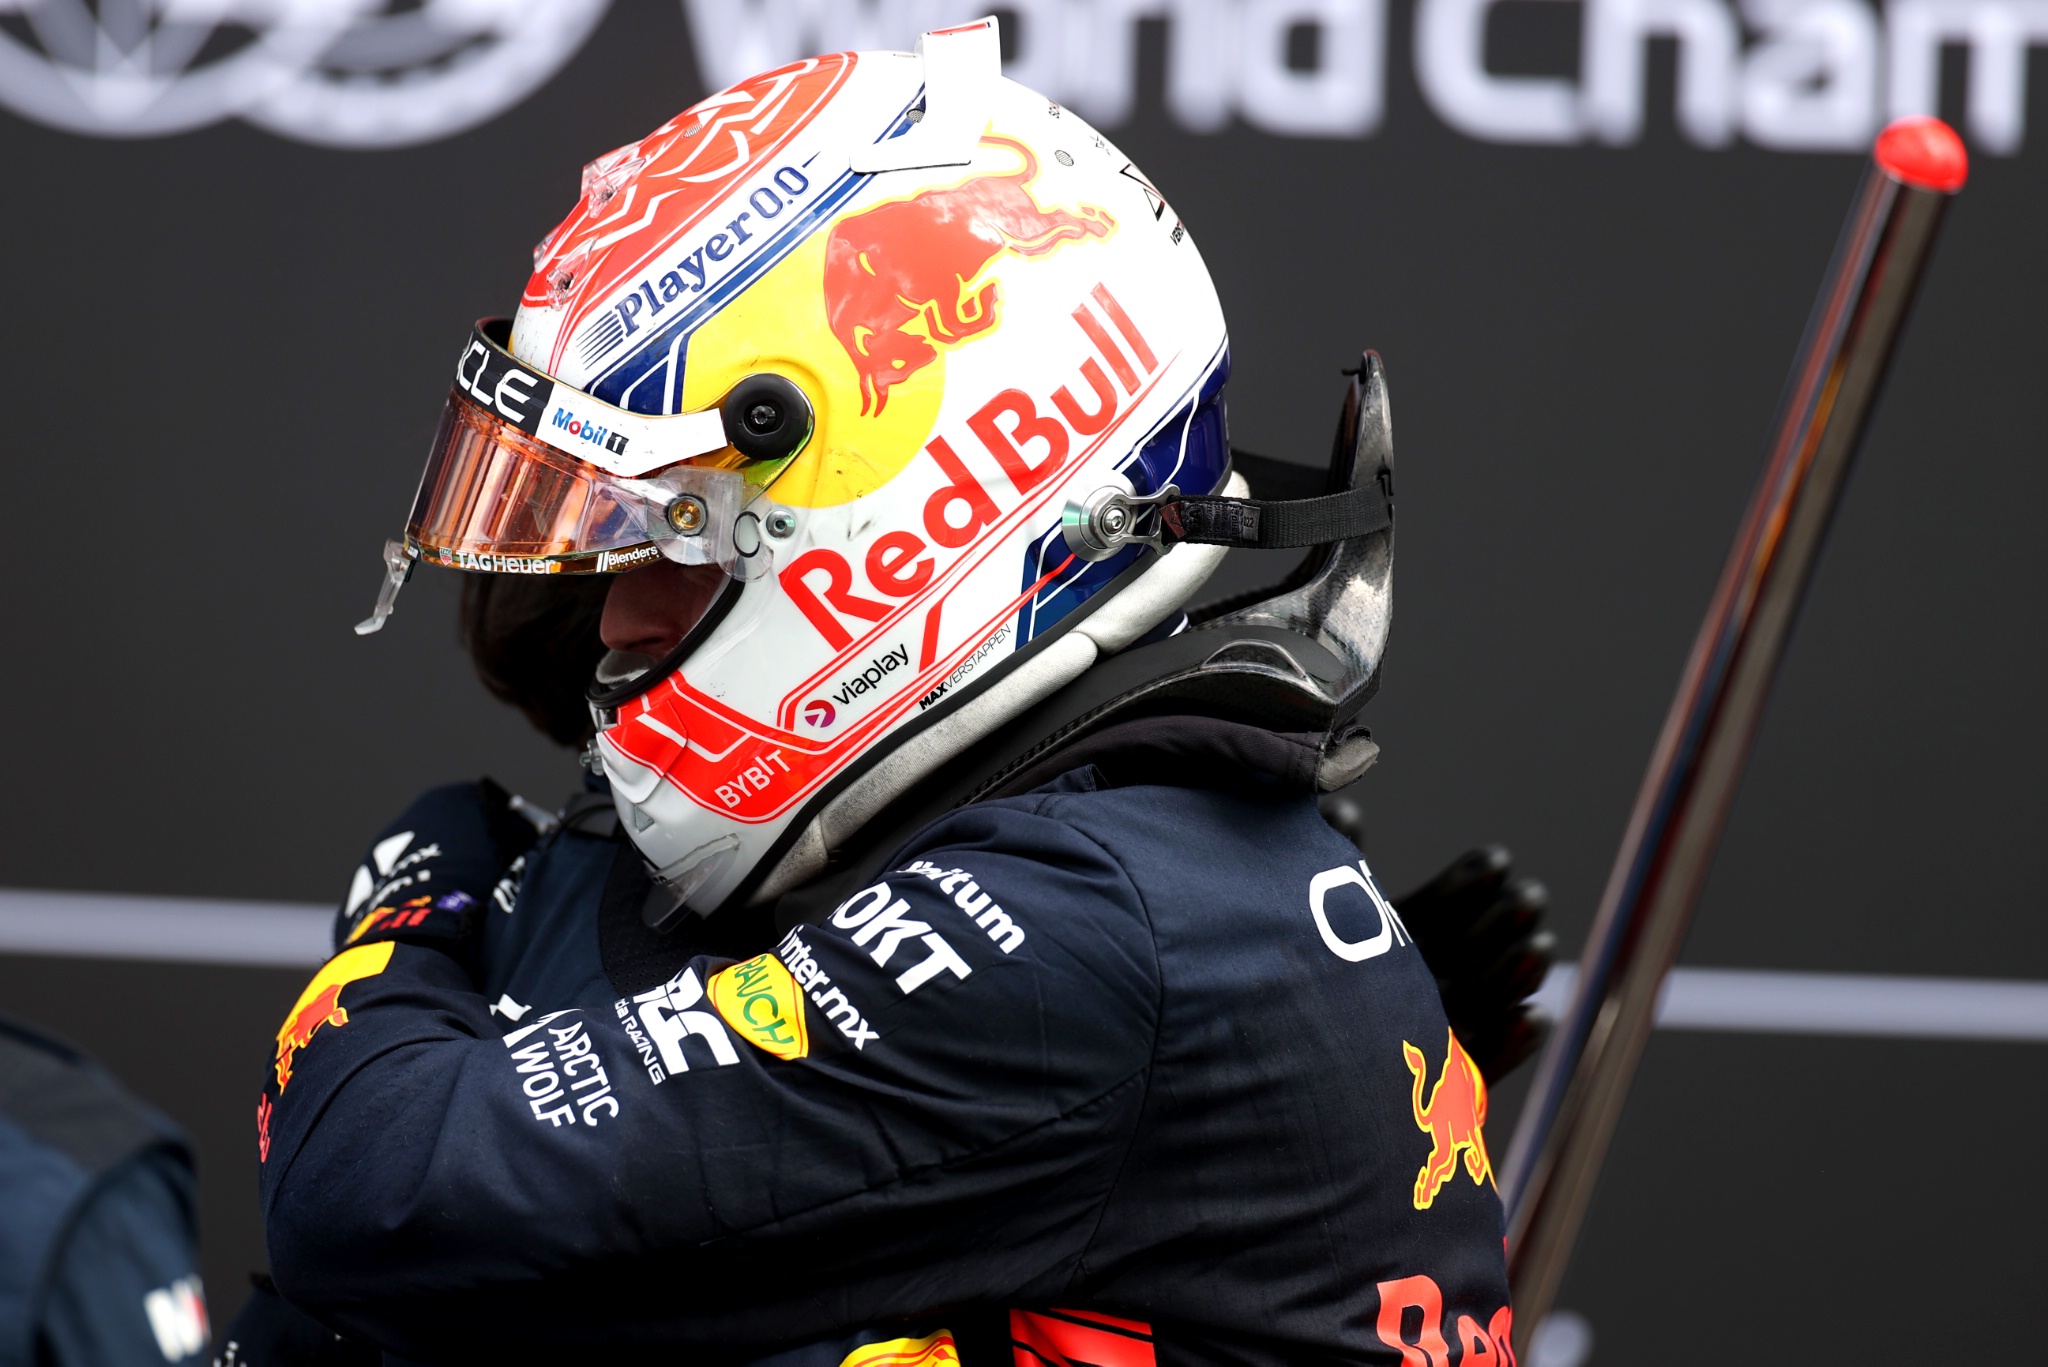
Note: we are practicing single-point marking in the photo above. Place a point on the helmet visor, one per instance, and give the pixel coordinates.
(496, 498)
(531, 476)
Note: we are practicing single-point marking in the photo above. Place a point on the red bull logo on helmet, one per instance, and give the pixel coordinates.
(901, 278)
(1452, 1118)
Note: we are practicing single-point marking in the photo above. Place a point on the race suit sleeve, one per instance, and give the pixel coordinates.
(125, 1290)
(920, 1101)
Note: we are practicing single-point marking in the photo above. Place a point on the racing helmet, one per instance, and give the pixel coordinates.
(915, 357)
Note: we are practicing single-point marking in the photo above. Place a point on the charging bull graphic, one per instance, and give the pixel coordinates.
(1451, 1118)
(320, 1005)
(915, 260)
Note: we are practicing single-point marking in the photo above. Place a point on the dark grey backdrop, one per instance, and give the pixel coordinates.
(224, 354)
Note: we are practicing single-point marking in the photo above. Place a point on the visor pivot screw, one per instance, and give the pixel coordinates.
(766, 417)
(686, 515)
(1111, 518)
(781, 523)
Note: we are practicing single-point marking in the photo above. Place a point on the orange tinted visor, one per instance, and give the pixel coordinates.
(531, 476)
(494, 498)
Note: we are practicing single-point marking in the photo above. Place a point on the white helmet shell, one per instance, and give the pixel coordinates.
(1010, 319)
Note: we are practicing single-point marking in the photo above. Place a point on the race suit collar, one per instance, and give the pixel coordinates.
(1183, 752)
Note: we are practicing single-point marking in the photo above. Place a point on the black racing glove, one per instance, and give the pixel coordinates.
(1481, 933)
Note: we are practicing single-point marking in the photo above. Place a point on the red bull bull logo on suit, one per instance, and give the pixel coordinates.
(1452, 1118)
(915, 263)
(319, 1006)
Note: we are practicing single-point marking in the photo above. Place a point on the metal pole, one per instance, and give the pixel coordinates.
(1555, 1157)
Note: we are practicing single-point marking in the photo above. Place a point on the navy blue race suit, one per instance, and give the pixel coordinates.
(99, 1239)
(1097, 1073)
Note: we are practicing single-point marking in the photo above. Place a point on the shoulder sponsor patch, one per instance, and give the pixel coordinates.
(929, 1351)
(761, 1000)
(320, 1004)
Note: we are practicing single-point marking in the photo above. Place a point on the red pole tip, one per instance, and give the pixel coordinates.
(1924, 153)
